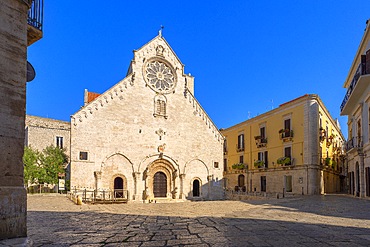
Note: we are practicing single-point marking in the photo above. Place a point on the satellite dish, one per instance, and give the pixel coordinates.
(30, 72)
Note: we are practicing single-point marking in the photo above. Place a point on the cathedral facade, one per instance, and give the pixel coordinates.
(147, 136)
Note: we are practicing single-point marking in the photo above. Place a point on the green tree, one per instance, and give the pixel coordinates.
(52, 162)
(31, 167)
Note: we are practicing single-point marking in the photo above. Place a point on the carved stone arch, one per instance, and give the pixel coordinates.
(167, 169)
(144, 164)
(120, 175)
(112, 166)
(196, 188)
(201, 161)
(119, 154)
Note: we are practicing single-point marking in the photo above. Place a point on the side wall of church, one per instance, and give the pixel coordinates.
(123, 137)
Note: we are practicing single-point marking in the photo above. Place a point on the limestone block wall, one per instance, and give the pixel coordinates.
(13, 57)
(42, 132)
(122, 121)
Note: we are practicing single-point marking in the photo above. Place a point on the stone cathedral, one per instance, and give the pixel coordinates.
(147, 136)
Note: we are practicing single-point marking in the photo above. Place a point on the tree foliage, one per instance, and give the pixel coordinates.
(44, 167)
(31, 166)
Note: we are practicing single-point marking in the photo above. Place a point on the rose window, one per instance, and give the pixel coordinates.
(159, 76)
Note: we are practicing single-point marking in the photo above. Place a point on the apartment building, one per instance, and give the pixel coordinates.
(356, 105)
(295, 148)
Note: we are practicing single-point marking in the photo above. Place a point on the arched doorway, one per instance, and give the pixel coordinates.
(118, 187)
(196, 188)
(160, 185)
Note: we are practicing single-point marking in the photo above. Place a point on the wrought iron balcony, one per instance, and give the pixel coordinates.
(354, 143)
(286, 134)
(35, 21)
(260, 141)
(356, 88)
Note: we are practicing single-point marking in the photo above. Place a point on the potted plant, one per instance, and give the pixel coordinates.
(284, 161)
(239, 166)
(259, 163)
(328, 161)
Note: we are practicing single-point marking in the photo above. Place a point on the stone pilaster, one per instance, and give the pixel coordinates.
(13, 57)
(137, 194)
(97, 175)
(182, 178)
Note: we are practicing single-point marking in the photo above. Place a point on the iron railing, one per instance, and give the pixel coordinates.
(101, 195)
(355, 142)
(36, 14)
(361, 70)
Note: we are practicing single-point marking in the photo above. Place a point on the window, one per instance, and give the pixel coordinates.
(83, 155)
(241, 159)
(225, 147)
(262, 132)
(59, 142)
(240, 146)
(288, 153)
(287, 124)
(264, 157)
(161, 107)
(215, 164)
(160, 104)
(225, 165)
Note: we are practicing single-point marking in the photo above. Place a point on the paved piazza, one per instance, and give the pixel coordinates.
(331, 220)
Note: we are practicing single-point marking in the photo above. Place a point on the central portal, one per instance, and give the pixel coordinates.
(160, 185)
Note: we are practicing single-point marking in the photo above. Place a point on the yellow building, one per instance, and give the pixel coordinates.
(295, 148)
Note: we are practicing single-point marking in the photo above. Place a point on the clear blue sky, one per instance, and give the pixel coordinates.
(247, 56)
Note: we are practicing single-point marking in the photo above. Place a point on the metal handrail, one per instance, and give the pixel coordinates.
(36, 14)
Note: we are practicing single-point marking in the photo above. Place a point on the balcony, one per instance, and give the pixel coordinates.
(261, 141)
(286, 134)
(359, 83)
(239, 148)
(35, 21)
(354, 143)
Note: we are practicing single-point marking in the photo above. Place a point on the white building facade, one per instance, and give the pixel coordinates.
(147, 135)
(356, 105)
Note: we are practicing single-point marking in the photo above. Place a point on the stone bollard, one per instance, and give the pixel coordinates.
(79, 200)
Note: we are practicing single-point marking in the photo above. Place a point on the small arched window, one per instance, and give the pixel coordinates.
(160, 105)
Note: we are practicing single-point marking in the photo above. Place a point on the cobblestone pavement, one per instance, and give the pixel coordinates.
(331, 220)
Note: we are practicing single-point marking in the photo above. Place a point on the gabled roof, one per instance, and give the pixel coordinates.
(159, 36)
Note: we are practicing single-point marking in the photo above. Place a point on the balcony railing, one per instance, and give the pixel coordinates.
(286, 134)
(355, 142)
(361, 70)
(260, 141)
(36, 14)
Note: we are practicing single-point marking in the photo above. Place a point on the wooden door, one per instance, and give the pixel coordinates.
(160, 185)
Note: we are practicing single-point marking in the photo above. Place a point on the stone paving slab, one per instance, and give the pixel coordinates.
(331, 220)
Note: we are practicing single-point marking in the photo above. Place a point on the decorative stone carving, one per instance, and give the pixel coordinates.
(159, 50)
(160, 132)
(159, 76)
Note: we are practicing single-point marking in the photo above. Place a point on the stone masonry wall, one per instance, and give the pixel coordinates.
(42, 132)
(13, 56)
(121, 122)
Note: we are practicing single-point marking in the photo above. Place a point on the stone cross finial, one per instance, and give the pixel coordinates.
(160, 31)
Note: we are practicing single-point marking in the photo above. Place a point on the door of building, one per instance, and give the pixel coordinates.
(160, 185)
(263, 183)
(196, 188)
(118, 187)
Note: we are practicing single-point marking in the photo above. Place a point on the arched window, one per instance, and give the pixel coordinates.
(160, 105)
